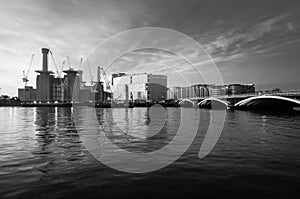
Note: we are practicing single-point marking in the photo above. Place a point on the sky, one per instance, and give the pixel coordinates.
(248, 41)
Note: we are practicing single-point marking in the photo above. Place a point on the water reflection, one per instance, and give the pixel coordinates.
(140, 123)
(42, 155)
(116, 146)
(44, 126)
(56, 137)
(138, 130)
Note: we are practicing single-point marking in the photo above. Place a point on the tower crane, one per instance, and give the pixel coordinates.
(91, 76)
(107, 83)
(54, 63)
(62, 83)
(80, 63)
(63, 65)
(25, 75)
(90, 72)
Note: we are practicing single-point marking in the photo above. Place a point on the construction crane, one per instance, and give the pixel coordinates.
(62, 83)
(56, 68)
(63, 65)
(54, 63)
(90, 72)
(25, 75)
(105, 79)
(91, 76)
(80, 63)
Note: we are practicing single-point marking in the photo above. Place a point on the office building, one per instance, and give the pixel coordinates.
(237, 89)
(194, 91)
(27, 94)
(218, 90)
(142, 86)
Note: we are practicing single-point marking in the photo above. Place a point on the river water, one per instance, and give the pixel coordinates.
(43, 156)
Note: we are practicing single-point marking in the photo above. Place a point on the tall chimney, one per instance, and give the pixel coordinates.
(45, 52)
(98, 74)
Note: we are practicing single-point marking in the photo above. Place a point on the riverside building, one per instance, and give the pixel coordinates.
(141, 86)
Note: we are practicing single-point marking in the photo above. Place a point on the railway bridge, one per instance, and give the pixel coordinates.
(282, 101)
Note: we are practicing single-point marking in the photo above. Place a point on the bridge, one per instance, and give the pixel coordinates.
(282, 101)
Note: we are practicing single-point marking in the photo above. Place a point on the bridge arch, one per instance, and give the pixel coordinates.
(268, 102)
(213, 103)
(187, 101)
(213, 99)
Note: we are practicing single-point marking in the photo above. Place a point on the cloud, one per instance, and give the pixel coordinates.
(258, 37)
(290, 26)
(228, 31)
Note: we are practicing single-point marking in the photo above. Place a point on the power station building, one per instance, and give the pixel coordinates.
(52, 89)
(70, 88)
(142, 86)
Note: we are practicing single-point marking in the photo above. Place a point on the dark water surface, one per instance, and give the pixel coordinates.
(42, 156)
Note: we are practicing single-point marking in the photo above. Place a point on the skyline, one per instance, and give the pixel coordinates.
(250, 42)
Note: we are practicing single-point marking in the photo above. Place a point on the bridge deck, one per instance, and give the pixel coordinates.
(244, 96)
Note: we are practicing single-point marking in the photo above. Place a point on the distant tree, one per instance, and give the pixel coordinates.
(15, 101)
